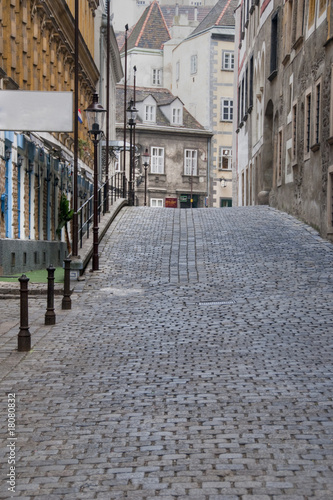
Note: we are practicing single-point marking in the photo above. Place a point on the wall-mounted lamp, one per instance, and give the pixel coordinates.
(19, 161)
(8, 153)
(223, 183)
(56, 181)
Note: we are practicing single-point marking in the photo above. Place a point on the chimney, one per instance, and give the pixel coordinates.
(177, 10)
(196, 13)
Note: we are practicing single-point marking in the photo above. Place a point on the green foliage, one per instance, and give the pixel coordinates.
(65, 214)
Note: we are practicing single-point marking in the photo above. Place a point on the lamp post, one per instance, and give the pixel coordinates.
(131, 119)
(146, 158)
(95, 117)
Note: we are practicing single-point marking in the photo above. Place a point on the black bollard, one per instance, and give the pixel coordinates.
(24, 337)
(67, 301)
(50, 317)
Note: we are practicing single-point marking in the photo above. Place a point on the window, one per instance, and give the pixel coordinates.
(274, 47)
(177, 118)
(224, 158)
(157, 77)
(190, 162)
(177, 71)
(294, 120)
(156, 202)
(312, 11)
(318, 106)
(228, 61)
(194, 64)
(227, 109)
(251, 84)
(279, 162)
(150, 113)
(307, 128)
(117, 161)
(157, 160)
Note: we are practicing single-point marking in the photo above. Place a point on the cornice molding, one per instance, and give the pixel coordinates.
(59, 14)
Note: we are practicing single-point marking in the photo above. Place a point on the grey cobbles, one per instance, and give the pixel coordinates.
(196, 364)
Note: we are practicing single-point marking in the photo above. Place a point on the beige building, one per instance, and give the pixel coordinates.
(36, 54)
(283, 125)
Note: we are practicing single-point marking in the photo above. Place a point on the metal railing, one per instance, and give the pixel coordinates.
(86, 211)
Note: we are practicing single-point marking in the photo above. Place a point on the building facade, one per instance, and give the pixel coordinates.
(36, 54)
(203, 66)
(177, 145)
(283, 125)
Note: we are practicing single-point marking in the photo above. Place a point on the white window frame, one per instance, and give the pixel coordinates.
(150, 113)
(190, 162)
(194, 64)
(228, 65)
(157, 202)
(227, 103)
(225, 153)
(177, 116)
(157, 77)
(157, 160)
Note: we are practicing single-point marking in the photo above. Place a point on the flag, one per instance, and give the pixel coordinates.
(79, 116)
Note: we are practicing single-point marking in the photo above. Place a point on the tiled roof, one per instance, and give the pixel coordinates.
(162, 97)
(222, 14)
(151, 31)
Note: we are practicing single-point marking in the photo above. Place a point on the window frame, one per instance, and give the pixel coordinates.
(229, 107)
(157, 205)
(157, 77)
(157, 160)
(307, 123)
(194, 64)
(223, 149)
(231, 65)
(177, 116)
(188, 162)
(150, 113)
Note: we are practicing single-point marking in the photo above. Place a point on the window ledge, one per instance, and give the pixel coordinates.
(194, 177)
(286, 59)
(315, 147)
(298, 42)
(273, 75)
(159, 176)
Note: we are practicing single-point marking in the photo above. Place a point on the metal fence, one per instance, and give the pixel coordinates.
(86, 211)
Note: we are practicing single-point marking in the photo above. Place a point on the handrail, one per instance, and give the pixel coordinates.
(86, 211)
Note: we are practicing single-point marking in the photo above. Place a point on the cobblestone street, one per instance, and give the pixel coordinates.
(197, 364)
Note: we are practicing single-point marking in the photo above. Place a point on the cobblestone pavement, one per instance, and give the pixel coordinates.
(197, 364)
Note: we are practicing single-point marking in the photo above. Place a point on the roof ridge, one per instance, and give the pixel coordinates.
(165, 24)
(145, 23)
(222, 13)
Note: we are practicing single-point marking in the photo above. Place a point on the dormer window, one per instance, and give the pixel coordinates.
(177, 116)
(150, 113)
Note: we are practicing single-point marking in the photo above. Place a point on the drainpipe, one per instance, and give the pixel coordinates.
(208, 169)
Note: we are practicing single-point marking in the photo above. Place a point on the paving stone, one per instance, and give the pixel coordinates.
(196, 364)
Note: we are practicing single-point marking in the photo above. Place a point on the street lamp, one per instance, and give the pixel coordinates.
(146, 158)
(95, 117)
(131, 120)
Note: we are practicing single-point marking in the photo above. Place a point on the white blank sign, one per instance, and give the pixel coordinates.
(34, 111)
